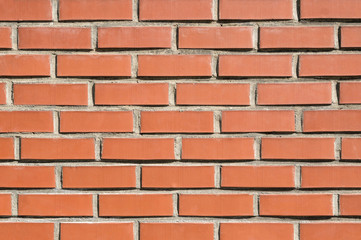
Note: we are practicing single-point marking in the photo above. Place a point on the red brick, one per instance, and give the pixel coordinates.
(212, 94)
(217, 148)
(350, 93)
(99, 177)
(258, 121)
(330, 231)
(54, 38)
(330, 65)
(96, 231)
(24, 65)
(5, 204)
(99, 121)
(57, 149)
(174, 65)
(256, 231)
(296, 205)
(331, 9)
(22, 230)
(135, 205)
(255, 9)
(2, 92)
(351, 148)
(332, 121)
(27, 177)
(95, 10)
(258, 176)
(294, 93)
(177, 177)
(7, 148)
(176, 231)
(298, 148)
(331, 177)
(131, 94)
(215, 205)
(135, 37)
(50, 94)
(296, 37)
(176, 122)
(350, 205)
(138, 148)
(215, 37)
(5, 37)
(18, 10)
(350, 37)
(175, 10)
(94, 65)
(255, 66)
(57, 205)
(26, 121)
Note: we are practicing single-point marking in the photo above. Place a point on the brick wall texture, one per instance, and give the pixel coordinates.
(180, 119)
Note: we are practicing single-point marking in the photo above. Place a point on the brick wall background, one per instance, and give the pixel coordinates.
(180, 119)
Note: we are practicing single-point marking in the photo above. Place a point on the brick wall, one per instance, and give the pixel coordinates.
(180, 119)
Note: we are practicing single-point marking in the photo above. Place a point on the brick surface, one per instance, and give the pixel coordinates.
(180, 119)
(257, 177)
(296, 37)
(57, 205)
(51, 94)
(294, 94)
(215, 205)
(176, 231)
(258, 121)
(21, 230)
(176, 122)
(331, 231)
(175, 10)
(296, 205)
(126, 205)
(54, 38)
(99, 177)
(350, 37)
(18, 10)
(131, 94)
(24, 65)
(93, 65)
(298, 148)
(215, 37)
(331, 177)
(92, 231)
(138, 148)
(96, 121)
(256, 231)
(57, 149)
(95, 10)
(5, 37)
(332, 121)
(178, 177)
(350, 93)
(26, 121)
(217, 148)
(330, 9)
(329, 65)
(135, 37)
(255, 66)
(174, 66)
(212, 94)
(7, 148)
(255, 10)
(27, 177)
(351, 149)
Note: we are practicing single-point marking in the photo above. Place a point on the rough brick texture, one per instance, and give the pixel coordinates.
(180, 119)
